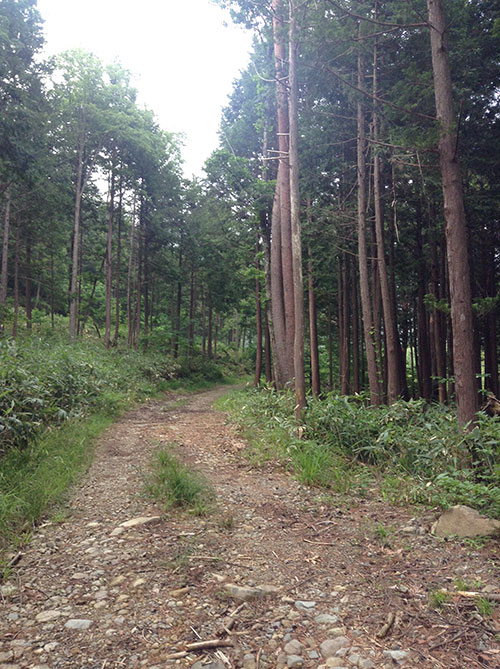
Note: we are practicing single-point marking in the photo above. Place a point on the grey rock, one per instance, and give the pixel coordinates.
(45, 616)
(313, 655)
(211, 665)
(294, 661)
(462, 521)
(335, 662)
(78, 624)
(6, 657)
(293, 647)
(326, 619)
(330, 647)
(143, 520)
(396, 655)
(365, 663)
(246, 592)
(304, 606)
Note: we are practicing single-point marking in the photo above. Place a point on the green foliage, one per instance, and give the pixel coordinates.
(32, 480)
(423, 456)
(438, 598)
(172, 485)
(45, 382)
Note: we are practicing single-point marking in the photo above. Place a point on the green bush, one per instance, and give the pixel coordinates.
(420, 450)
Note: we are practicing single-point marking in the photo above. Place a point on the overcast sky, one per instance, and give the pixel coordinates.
(182, 55)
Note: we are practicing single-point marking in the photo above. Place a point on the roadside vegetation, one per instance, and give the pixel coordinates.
(56, 397)
(412, 452)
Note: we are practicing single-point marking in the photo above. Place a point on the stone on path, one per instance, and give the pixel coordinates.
(326, 619)
(304, 606)
(246, 592)
(293, 647)
(294, 661)
(78, 624)
(329, 647)
(462, 521)
(46, 616)
(396, 655)
(143, 520)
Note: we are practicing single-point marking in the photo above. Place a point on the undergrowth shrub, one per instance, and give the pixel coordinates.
(419, 448)
(46, 382)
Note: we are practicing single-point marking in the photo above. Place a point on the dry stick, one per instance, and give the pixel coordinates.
(384, 630)
(198, 645)
(319, 543)
(494, 596)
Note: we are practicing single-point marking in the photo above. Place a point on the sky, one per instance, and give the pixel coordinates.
(183, 55)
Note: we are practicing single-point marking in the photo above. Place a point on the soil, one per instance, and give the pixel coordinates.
(338, 567)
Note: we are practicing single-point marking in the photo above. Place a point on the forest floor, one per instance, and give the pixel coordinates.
(87, 594)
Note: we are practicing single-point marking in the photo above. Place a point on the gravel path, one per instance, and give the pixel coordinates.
(277, 575)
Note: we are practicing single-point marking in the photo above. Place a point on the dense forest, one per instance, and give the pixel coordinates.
(357, 183)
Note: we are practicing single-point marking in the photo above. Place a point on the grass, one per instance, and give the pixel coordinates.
(173, 485)
(33, 480)
(410, 452)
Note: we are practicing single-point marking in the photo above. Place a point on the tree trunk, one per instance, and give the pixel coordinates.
(454, 213)
(368, 325)
(130, 273)
(192, 309)
(73, 291)
(356, 376)
(258, 316)
(5, 250)
(343, 318)
(27, 284)
(313, 328)
(16, 281)
(109, 256)
(391, 351)
(296, 228)
(210, 329)
(118, 262)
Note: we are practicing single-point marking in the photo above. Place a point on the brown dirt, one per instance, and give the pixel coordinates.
(151, 589)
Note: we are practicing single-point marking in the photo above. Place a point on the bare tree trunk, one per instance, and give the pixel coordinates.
(5, 249)
(282, 274)
(210, 329)
(73, 291)
(258, 316)
(27, 283)
(456, 227)
(192, 309)
(356, 376)
(313, 328)
(178, 305)
(391, 353)
(343, 326)
(330, 347)
(109, 256)
(296, 228)
(130, 316)
(118, 262)
(16, 281)
(368, 324)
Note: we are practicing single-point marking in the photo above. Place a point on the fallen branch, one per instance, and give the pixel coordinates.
(319, 543)
(493, 596)
(384, 630)
(199, 645)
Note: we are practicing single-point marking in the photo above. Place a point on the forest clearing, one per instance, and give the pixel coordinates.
(250, 417)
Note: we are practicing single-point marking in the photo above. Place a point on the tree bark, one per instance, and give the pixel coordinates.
(454, 213)
(73, 291)
(258, 316)
(5, 249)
(109, 256)
(366, 308)
(296, 228)
(313, 327)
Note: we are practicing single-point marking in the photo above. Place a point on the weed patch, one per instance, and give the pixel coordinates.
(173, 485)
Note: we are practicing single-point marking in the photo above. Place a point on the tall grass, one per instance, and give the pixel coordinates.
(418, 449)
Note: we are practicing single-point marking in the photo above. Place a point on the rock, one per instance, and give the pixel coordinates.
(118, 580)
(329, 647)
(462, 521)
(293, 647)
(138, 582)
(365, 663)
(304, 606)
(313, 655)
(8, 590)
(211, 665)
(49, 647)
(143, 520)
(326, 619)
(78, 624)
(396, 655)
(335, 662)
(6, 657)
(46, 616)
(246, 592)
(294, 661)
(354, 659)
(117, 531)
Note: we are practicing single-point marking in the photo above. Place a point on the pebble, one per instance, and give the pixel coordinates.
(143, 520)
(330, 647)
(326, 619)
(294, 661)
(396, 655)
(293, 647)
(78, 624)
(45, 616)
(304, 606)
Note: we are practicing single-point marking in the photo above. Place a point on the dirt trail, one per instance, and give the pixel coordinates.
(86, 594)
